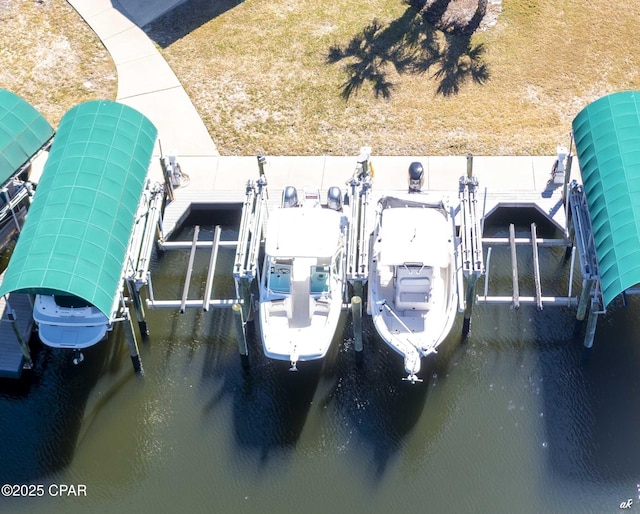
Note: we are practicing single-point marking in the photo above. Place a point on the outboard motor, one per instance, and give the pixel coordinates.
(416, 177)
(334, 198)
(290, 197)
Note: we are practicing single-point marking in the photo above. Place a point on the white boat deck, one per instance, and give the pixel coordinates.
(300, 291)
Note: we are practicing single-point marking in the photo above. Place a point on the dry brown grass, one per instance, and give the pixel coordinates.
(269, 75)
(51, 58)
(259, 75)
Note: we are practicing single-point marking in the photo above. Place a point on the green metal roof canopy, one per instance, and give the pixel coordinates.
(78, 228)
(607, 135)
(23, 131)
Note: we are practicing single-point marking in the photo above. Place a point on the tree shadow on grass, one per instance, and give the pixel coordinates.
(413, 44)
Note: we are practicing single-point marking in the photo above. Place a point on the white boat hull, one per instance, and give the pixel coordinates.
(302, 283)
(283, 339)
(68, 327)
(413, 304)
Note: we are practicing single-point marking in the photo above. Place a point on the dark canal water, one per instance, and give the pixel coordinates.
(518, 418)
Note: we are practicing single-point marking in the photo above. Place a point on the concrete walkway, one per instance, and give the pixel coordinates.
(145, 81)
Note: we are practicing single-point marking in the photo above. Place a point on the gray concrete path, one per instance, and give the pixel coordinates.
(145, 81)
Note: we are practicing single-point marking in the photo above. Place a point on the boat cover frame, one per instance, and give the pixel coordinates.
(23, 132)
(75, 238)
(607, 137)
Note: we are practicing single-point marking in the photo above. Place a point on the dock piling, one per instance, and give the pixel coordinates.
(592, 322)
(242, 336)
(469, 301)
(244, 294)
(358, 288)
(130, 336)
(138, 307)
(356, 312)
(587, 284)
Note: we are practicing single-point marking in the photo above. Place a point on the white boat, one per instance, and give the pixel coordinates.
(303, 277)
(412, 277)
(69, 322)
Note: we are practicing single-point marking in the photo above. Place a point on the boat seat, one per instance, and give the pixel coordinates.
(280, 279)
(319, 279)
(280, 308)
(321, 307)
(413, 288)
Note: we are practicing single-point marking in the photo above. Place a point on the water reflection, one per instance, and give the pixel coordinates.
(42, 413)
(589, 409)
(269, 403)
(377, 408)
(591, 400)
(518, 418)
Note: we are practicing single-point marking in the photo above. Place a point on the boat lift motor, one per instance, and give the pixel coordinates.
(416, 177)
(175, 173)
(559, 167)
(290, 197)
(334, 198)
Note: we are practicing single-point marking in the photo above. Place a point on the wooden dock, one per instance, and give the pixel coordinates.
(12, 358)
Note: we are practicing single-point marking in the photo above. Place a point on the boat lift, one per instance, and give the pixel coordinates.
(468, 225)
(253, 221)
(358, 197)
(245, 270)
(469, 245)
(255, 212)
(246, 267)
(578, 240)
(582, 217)
(581, 232)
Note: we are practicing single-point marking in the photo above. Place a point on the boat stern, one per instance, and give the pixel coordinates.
(73, 327)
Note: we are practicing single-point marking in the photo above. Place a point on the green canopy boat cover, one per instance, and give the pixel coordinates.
(76, 234)
(23, 131)
(607, 136)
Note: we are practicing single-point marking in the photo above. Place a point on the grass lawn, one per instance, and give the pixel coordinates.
(51, 58)
(302, 77)
(306, 77)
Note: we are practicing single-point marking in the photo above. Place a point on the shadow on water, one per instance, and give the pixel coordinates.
(378, 409)
(412, 44)
(185, 18)
(269, 406)
(590, 414)
(269, 403)
(41, 414)
(591, 400)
